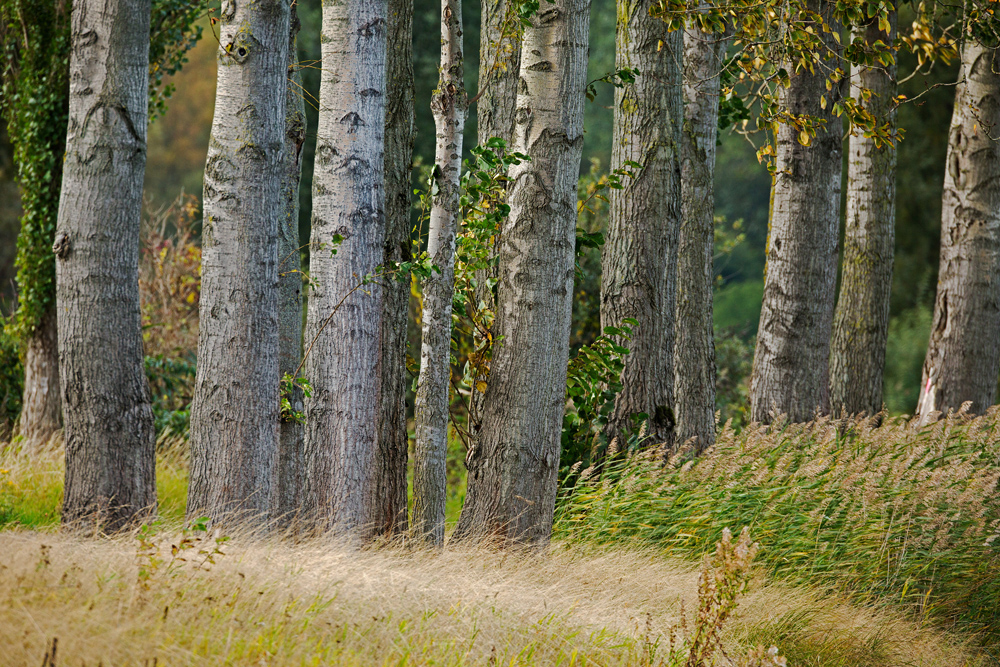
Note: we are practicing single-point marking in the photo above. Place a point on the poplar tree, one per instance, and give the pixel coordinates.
(639, 259)
(861, 323)
(291, 441)
(514, 462)
(343, 326)
(110, 454)
(235, 411)
(694, 358)
(387, 515)
(963, 355)
(791, 362)
(449, 105)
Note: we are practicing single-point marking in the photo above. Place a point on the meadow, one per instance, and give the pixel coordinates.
(876, 544)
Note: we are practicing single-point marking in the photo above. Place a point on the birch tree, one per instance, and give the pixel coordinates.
(639, 259)
(791, 362)
(963, 356)
(291, 441)
(110, 455)
(343, 323)
(388, 512)
(694, 360)
(861, 323)
(449, 104)
(514, 462)
(235, 410)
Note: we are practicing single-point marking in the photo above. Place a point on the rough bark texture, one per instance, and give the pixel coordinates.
(449, 105)
(41, 412)
(348, 200)
(234, 414)
(499, 70)
(963, 357)
(791, 362)
(639, 259)
(515, 461)
(388, 513)
(110, 456)
(291, 442)
(694, 353)
(499, 67)
(861, 323)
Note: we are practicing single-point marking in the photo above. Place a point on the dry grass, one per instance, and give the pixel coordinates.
(270, 603)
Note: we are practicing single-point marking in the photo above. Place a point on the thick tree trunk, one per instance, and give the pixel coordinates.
(388, 511)
(291, 441)
(348, 201)
(234, 415)
(639, 260)
(694, 353)
(449, 105)
(499, 70)
(963, 357)
(514, 464)
(41, 411)
(791, 363)
(861, 323)
(110, 453)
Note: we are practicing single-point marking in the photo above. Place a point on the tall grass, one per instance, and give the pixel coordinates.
(900, 513)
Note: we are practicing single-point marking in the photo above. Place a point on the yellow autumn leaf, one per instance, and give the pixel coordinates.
(481, 387)
(804, 138)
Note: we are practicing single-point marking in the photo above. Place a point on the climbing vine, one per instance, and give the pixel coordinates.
(35, 104)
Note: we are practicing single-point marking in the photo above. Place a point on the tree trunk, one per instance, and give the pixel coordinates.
(791, 363)
(861, 323)
(348, 202)
(639, 260)
(514, 464)
(234, 414)
(291, 441)
(499, 69)
(388, 512)
(963, 356)
(110, 451)
(449, 104)
(694, 354)
(41, 411)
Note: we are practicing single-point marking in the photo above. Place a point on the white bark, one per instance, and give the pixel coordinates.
(449, 105)
(963, 356)
(110, 456)
(234, 414)
(514, 465)
(348, 200)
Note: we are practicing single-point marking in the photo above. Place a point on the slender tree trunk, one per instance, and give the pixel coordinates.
(41, 411)
(514, 464)
(639, 260)
(234, 415)
(963, 357)
(861, 323)
(499, 69)
(348, 202)
(388, 512)
(291, 443)
(450, 106)
(694, 355)
(110, 453)
(791, 363)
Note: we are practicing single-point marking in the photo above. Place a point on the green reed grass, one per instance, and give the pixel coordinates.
(894, 513)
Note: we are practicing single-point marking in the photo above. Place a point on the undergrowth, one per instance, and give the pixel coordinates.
(901, 513)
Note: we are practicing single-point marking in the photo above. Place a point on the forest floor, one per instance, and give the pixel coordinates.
(174, 598)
